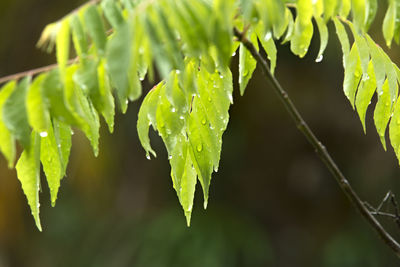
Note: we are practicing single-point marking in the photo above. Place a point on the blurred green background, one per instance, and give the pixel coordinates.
(272, 203)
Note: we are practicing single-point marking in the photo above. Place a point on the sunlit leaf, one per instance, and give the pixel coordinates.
(28, 171)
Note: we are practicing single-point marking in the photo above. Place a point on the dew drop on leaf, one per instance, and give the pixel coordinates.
(267, 36)
(319, 59)
(199, 147)
(43, 134)
(203, 121)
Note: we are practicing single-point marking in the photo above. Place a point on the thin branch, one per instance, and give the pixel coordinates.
(319, 147)
(31, 72)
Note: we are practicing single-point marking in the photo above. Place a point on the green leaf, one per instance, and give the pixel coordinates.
(103, 98)
(345, 8)
(188, 184)
(203, 144)
(352, 74)
(62, 46)
(85, 115)
(324, 35)
(394, 130)
(363, 49)
(14, 113)
(389, 22)
(247, 64)
(113, 13)
(79, 37)
(329, 9)
(378, 61)
(147, 117)
(96, 29)
(372, 7)
(303, 29)
(280, 28)
(62, 134)
(359, 14)
(343, 38)
(382, 112)
(7, 141)
(28, 171)
(365, 92)
(270, 48)
(38, 114)
(54, 98)
(52, 162)
(290, 28)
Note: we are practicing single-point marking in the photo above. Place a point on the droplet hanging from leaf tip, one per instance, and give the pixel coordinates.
(319, 58)
(148, 156)
(43, 134)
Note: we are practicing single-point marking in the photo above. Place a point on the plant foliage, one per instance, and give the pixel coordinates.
(117, 43)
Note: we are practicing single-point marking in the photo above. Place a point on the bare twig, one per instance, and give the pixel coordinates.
(31, 72)
(319, 147)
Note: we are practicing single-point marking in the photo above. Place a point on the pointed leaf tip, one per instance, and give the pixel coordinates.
(188, 215)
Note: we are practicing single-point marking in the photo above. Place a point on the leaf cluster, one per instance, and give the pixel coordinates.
(106, 48)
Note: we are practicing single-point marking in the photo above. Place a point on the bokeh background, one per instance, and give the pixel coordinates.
(272, 203)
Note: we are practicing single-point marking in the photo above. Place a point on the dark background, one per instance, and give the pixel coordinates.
(272, 203)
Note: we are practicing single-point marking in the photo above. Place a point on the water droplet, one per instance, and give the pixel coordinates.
(365, 77)
(148, 156)
(141, 79)
(216, 169)
(380, 93)
(72, 132)
(173, 109)
(221, 76)
(178, 71)
(181, 117)
(267, 36)
(170, 157)
(319, 58)
(199, 147)
(203, 121)
(209, 99)
(59, 145)
(126, 101)
(43, 134)
(234, 54)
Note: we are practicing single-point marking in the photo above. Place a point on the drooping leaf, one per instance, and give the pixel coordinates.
(52, 162)
(28, 170)
(15, 116)
(379, 63)
(352, 74)
(382, 112)
(147, 117)
(303, 29)
(247, 64)
(389, 22)
(365, 92)
(38, 114)
(7, 141)
(95, 28)
(324, 35)
(62, 46)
